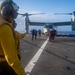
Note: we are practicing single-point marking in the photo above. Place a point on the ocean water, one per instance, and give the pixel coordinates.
(66, 32)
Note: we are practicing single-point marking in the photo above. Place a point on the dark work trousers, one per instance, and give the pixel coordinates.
(32, 37)
(5, 69)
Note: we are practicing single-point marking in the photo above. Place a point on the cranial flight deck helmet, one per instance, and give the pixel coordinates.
(8, 7)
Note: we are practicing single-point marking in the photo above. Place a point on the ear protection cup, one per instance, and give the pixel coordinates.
(6, 10)
(9, 8)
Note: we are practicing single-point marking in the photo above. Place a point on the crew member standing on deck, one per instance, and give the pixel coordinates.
(39, 32)
(9, 61)
(34, 34)
(51, 35)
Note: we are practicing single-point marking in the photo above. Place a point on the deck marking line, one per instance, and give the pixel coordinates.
(31, 64)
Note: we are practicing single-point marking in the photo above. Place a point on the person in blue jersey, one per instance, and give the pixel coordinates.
(34, 34)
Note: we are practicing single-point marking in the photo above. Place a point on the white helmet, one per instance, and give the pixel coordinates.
(8, 7)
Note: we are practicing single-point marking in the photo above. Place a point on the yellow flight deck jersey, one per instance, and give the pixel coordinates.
(8, 47)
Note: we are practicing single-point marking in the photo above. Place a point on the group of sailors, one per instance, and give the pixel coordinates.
(52, 33)
(34, 33)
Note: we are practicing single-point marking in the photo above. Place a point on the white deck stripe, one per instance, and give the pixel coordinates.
(31, 64)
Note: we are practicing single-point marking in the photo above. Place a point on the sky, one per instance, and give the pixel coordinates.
(49, 7)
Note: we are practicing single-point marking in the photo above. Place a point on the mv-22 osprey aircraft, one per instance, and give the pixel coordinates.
(49, 25)
(72, 22)
(27, 21)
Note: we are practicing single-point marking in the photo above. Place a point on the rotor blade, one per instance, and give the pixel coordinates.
(35, 14)
(63, 13)
(22, 14)
(30, 14)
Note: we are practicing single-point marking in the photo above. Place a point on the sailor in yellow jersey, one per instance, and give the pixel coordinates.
(9, 61)
(18, 36)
